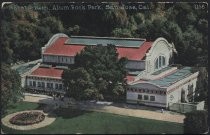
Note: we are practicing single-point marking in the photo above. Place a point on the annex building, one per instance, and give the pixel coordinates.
(152, 79)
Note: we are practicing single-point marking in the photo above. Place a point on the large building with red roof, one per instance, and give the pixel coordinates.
(151, 78)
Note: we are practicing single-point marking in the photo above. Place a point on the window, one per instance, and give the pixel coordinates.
(152, 98)
(39, 84)
(146, 97)
(163, 61)
(160, 62)
(60, 86)
(49, 85)
(34, 83)
(56, 86)
(139, 97)
(156, 64)
(30, 83)
(43, 85)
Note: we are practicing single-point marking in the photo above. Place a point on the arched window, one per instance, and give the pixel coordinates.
(156, 64)
(160, 62)
(163, 61)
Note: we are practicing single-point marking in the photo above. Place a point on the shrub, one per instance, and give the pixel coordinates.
(196, 122)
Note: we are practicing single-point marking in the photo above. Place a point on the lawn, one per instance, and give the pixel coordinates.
(78, 121)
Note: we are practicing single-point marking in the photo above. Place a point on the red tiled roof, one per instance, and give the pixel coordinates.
(59, 48)
(130, 78)
(134, 53)
(47, 72)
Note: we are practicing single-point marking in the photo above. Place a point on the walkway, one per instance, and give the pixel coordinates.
(121, 110)
(166, 116)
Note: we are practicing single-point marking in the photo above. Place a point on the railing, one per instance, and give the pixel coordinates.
(46, 89)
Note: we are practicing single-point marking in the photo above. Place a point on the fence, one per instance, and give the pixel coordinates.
(186, 107)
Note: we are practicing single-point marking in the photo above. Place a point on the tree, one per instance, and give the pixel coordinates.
(104, 67)
(201, 90)
(77, 82)
(183, 14)
(118, 32)
(11, 90)
(119, 92)
(54, 24)
(196, 122)
(26, 31)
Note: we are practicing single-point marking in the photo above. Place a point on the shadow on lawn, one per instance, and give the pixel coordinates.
(67, 113)
(49, 106)
(41, 106)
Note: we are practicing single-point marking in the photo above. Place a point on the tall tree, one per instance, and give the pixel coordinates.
(11, 90)
(78, 83)
(104, 68)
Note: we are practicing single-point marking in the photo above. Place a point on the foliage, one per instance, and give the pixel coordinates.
(118, 92)
(11, 90)
(196, 122)
(77, 83)
(27, 30)
(118, 32)
(24, 31)
(100, 70)
(179, 23)
(201, 90)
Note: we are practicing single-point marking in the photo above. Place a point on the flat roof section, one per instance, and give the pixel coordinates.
(123, 42)
(161, 70)
(173, 78)
(25, 68)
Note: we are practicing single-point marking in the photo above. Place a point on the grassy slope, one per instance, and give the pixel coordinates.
(76, 121)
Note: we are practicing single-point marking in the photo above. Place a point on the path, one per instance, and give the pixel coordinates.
(126, 110)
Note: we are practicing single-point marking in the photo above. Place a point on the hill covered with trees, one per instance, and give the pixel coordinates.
(25, 30)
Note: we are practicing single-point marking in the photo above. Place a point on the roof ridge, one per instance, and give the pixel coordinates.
(113, 38)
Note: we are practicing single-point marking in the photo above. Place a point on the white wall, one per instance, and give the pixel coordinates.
(160, 47)
(179, 86)
(132, 96)
(144, 85)
(45, 80)
(160, 100)
(58, 59)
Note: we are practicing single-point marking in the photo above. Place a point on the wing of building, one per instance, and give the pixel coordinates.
(152, 80)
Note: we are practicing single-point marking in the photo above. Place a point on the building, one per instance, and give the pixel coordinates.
(151, 78)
